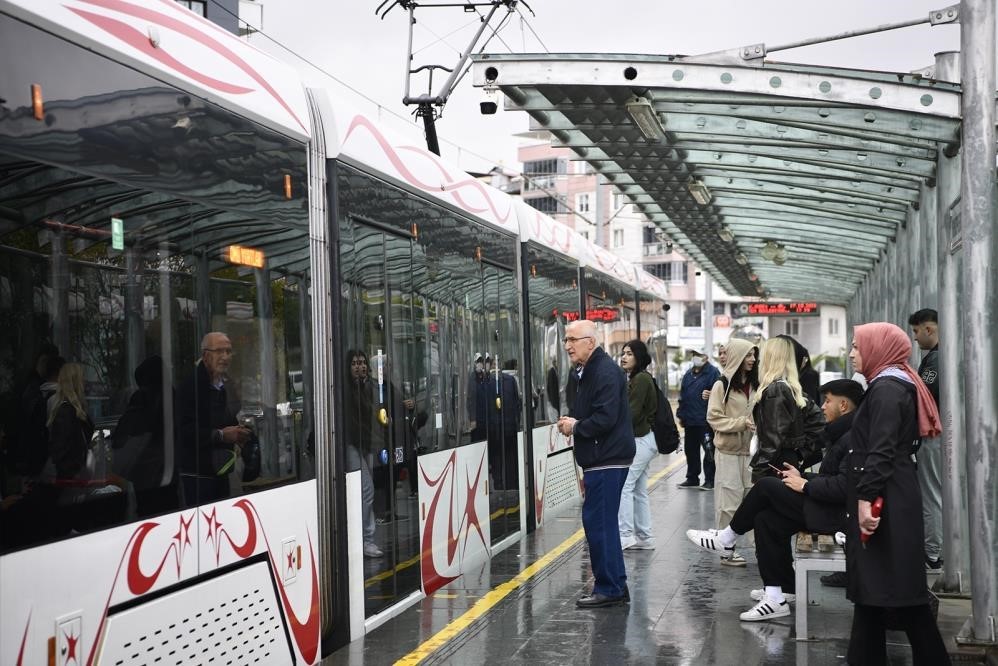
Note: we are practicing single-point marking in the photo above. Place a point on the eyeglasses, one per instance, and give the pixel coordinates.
(225, 351)
(571, 340)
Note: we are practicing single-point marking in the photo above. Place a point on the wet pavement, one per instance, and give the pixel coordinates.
(684, 607)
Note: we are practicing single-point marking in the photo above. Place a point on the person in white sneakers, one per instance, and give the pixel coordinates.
(729, 414)
(777, 508)
(634, 517)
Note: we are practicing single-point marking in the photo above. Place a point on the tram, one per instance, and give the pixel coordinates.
(391, 353)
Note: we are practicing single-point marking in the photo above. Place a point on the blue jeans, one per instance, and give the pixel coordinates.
(599, 519)
(635, 515)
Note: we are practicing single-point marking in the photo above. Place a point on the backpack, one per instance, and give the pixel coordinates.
(664, 426)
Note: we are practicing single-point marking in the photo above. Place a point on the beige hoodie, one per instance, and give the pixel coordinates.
(730, 418)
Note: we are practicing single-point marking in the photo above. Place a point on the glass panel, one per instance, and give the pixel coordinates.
(384, 406)
(553, 301)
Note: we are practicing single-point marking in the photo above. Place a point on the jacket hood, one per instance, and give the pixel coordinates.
(738, 349)
(800, 353)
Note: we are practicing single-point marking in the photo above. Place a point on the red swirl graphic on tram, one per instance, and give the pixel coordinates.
(450, 186)
(141, 42)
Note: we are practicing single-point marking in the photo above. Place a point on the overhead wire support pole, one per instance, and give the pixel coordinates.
(425, 103)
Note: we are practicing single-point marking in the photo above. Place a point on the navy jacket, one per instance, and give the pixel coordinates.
(603, 433)
(692, 407)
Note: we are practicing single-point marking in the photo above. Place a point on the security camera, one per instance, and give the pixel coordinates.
(490, 103)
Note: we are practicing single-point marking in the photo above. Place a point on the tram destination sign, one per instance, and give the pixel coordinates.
(783, 309)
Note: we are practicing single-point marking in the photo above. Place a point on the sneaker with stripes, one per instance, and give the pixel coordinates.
(766, 610)
(709, 540)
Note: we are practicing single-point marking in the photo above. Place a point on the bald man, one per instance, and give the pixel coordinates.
(600, 423)
(208, 433)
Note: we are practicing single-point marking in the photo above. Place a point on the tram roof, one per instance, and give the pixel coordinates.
(827, 163)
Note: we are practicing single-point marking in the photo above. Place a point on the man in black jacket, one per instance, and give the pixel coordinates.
(777, 508)
(925, 329)
(600, 423)
(207, 430)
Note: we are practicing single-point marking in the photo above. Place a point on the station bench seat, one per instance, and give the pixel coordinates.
(812, 552)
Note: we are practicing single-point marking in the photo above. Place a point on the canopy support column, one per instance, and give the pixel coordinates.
(977, 195)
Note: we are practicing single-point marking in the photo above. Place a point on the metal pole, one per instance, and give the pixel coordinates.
(135, 335)
(599, 215)
(980, 288)
(270, 445)
(954, 450)
(708, 316)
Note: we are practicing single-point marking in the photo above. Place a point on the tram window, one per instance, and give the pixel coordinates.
(553, 302)
(100, 345)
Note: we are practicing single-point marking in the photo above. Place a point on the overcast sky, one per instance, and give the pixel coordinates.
(349, 41)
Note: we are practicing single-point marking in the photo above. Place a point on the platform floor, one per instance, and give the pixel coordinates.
(684, 607)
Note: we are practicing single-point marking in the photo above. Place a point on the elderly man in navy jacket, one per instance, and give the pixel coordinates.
(600, 422)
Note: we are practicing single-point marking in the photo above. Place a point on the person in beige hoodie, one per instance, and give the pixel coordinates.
(730, 415)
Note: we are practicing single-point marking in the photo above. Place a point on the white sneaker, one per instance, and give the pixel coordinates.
(627, 542)
(733, 560)
(760, 594)
(765, 610)
(709, 540)
(371, 550)
(644, 544)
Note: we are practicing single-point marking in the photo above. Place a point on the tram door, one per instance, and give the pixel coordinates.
(505, 401)
(392, 335)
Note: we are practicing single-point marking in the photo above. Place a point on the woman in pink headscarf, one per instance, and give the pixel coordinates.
(888, 572)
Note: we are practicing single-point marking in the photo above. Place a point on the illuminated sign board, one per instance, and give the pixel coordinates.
(786, 309)
(245, 256)
(594, 314)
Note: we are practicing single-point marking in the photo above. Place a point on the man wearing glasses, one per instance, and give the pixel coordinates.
(600, 423)
(208, 432)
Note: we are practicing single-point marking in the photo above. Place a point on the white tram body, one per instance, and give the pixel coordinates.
(346, 236)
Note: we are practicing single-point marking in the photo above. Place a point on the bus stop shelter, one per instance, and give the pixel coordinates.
(871, 190)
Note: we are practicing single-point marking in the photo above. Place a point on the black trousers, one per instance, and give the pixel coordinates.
(692, 445)
(776, 513)
(868, 641)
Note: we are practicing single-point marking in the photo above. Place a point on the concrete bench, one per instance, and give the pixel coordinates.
(813, 560)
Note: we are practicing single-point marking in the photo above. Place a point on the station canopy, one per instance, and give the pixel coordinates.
(781, 180)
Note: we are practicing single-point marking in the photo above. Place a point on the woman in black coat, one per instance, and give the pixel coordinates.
(888, 572)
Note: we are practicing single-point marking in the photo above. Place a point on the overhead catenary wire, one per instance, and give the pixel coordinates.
(256, 30)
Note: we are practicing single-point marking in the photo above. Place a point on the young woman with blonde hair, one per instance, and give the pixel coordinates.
(777, 409)
(70, 429)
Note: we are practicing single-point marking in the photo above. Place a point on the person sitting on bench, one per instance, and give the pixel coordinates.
(777, 508)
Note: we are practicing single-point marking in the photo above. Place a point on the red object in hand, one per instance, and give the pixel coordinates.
(875, 509)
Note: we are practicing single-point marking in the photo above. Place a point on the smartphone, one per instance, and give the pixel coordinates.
(776, 469)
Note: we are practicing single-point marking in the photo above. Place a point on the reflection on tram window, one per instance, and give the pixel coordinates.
(185, 365)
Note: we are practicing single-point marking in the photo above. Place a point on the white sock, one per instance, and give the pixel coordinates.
(774, 593)
(727, 537)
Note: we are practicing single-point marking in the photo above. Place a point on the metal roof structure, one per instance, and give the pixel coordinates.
(779, 179)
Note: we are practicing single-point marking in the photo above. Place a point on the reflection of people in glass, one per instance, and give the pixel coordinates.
(208, 432)
(505, 402)
(70, 429)
(138, 441)
(553, 388)
(478, 398)
(396, 442)
(359, 424)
